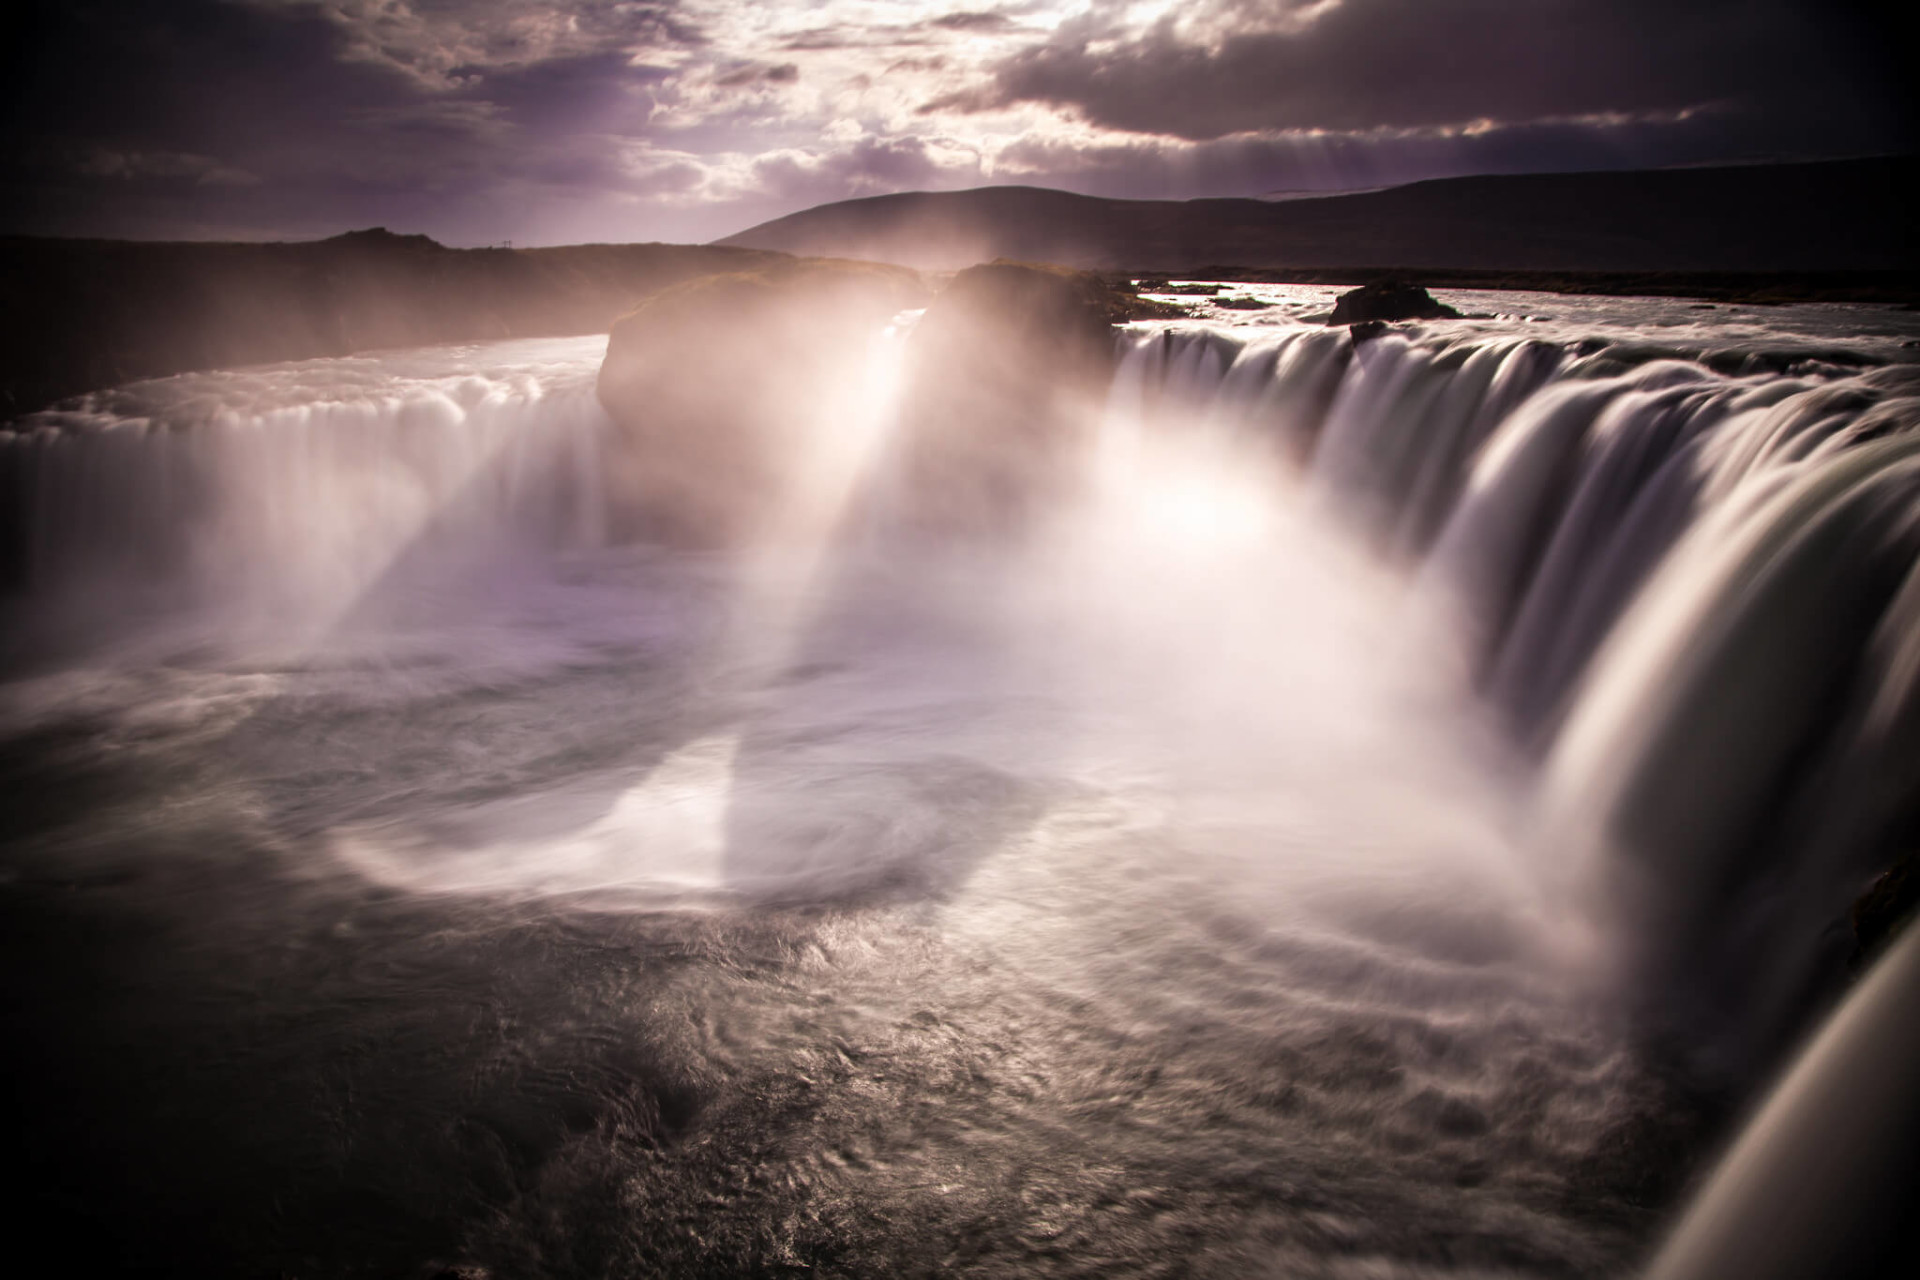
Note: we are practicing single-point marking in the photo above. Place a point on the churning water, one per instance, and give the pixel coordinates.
(1375, 826)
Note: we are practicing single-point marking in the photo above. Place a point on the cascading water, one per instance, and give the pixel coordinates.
(286, 493)
(1694, 595)
(1683, 588)
(1245, 867)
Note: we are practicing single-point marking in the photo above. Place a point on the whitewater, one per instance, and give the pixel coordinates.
(1393, 818)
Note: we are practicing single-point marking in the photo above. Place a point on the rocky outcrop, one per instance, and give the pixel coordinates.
(1006, 375)
(1387, 300)
(727, 388)
(731, 390)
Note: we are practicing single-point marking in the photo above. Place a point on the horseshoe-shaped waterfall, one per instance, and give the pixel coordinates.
(1394, 809)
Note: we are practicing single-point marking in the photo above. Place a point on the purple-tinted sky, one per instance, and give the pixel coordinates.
(555, 121)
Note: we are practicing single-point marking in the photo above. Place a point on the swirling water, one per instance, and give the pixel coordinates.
(400, 873)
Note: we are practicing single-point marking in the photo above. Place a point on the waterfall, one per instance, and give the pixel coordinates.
(1683, 588)
(1694, 595)
(1691, 594)
(290, 490)
(1688, 586)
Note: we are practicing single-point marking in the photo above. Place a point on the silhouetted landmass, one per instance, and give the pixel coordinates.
(1832, 229)
(87, 314)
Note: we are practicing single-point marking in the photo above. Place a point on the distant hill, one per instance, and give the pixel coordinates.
(1844, 215)
(87, 314)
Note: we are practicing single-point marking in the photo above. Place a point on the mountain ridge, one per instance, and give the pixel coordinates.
(1834, 215)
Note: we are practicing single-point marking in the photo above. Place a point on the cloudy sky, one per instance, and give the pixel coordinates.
(558, 121)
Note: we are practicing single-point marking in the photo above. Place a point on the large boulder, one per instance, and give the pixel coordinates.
(728, 388)
(1006, 375)
(1388, 300)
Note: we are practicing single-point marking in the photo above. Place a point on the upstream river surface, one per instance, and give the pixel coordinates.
(397, 876)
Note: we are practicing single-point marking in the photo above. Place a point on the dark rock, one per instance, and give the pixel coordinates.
(1006, 373)
(1242, 304)
(724, 385)
(1884, 909)
(1119, 300)
(1127, 305)
(1389, 300)
(1365, 330)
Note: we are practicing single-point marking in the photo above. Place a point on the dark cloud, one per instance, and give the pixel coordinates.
(102, 71)
(870, 165)
(1161, 168)
(203, 170)
(233, 86)
(564, 94)
(784, 73)
(1360, 65)
(973, 21)
(478, 120)
(196, 117)
(443, 43)
(822, 38)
